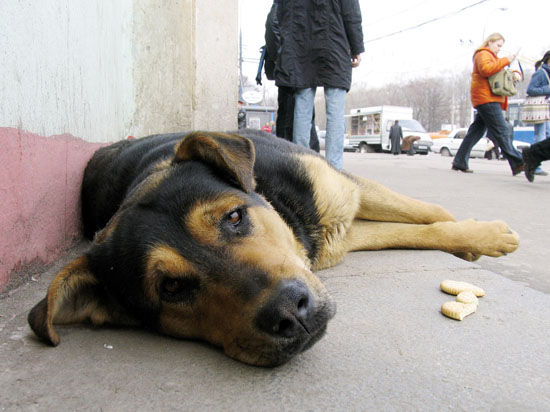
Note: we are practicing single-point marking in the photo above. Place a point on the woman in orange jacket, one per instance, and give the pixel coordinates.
(489, 107)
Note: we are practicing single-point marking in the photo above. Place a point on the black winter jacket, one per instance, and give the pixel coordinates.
(318, 38)
(272, 41)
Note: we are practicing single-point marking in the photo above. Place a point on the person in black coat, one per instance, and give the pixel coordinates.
(396, 135)
(285, 95)
(321, 40)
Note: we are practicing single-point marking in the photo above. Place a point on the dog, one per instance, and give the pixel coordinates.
(215, 236)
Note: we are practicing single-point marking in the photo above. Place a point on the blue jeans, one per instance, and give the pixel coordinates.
(488, 117)
(542, 131)
(335, 102)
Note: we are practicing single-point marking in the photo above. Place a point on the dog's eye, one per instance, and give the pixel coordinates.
(172, 285)
(235, 217)
(179, 290)
(235, 224)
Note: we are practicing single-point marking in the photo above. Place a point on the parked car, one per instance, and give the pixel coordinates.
(448, 146)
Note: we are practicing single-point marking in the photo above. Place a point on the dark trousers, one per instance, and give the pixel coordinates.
(488, 117)
(285, 118)
(285, 113)
(541, 150)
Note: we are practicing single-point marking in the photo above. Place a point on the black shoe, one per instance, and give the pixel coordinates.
(517, 170)
(462, 170)
(530, 165)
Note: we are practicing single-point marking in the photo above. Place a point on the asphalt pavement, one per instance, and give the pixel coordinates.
(388, 347)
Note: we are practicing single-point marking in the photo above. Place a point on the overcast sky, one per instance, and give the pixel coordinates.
(431, 36)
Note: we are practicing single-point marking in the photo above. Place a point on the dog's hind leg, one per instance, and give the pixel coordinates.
(467, 238)
(378, 203)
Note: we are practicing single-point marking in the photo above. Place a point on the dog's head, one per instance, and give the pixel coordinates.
(195, 252)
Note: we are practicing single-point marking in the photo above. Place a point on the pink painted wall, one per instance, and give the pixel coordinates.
(39, 197)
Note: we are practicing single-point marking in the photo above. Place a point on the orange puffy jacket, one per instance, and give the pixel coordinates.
(486, 63)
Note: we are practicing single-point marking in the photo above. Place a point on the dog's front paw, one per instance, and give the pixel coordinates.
(490, 238)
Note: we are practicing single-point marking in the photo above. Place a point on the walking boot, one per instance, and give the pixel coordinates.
(530, 164)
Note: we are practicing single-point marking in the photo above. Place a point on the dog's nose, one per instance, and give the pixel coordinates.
(286, 312)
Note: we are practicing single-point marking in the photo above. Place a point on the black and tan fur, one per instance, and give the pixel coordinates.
(216, 236)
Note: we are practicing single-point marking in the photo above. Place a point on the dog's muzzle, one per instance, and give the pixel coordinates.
(294, 319)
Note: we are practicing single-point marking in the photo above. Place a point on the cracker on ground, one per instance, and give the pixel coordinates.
(454, 287)
(467, 297)
(458, 310)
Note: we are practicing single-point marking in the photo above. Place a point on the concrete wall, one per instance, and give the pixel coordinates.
(186, 68)
(67, 67)
(76, 74)
(39, 187)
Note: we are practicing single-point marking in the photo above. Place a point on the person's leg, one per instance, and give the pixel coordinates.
(540, 132)
(412, 152)
(546, 135)
(289, 117)
(303, 111)
(475, 132)
(335, 101)
(496, 125)
(540, 135)
(534, 155)
(393, 146)
(281, 111)
(285, 112)
(541, 150)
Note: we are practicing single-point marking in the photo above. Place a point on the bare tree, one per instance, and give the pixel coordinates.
(461, 109)
(430, 100)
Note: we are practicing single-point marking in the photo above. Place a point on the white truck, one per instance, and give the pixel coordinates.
(369, 128)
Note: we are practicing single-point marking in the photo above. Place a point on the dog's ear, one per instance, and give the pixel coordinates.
(75, 295)
(233, 155)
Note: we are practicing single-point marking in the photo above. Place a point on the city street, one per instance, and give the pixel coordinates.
(387, 349)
